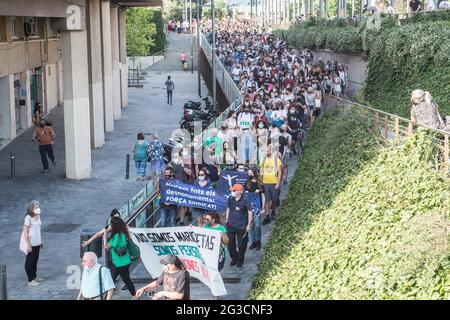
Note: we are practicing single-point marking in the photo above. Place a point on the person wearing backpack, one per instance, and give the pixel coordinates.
(119, 245)
(139, 152)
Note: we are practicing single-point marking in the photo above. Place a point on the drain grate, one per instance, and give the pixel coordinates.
(61, 227)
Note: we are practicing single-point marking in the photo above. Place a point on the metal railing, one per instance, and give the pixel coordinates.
(223, 77)
(396, 129)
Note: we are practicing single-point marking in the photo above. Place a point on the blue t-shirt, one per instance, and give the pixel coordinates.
(238, 217)
(170, 85)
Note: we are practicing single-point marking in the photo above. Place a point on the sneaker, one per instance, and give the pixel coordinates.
(266, 220)
(45, 171)
(252, 246)
(239, 264)
(181, 224)
(294, 152)
(38, 279)
(258, 245)
(33, 283)
(233, 263)
(285, 182)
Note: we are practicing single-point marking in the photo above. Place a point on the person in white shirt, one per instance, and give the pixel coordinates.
(31, 242)
(279, 115)
(444, 5)
(236, 74)
(390, 9)
(431, 6)
(96, 281)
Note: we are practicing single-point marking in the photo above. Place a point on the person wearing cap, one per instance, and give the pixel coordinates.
(46, 137)
(239, 216)
(174, 279)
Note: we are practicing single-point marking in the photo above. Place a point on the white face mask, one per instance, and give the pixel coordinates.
(233, 194)
(201, 178)
(165, 268)
(37, 211)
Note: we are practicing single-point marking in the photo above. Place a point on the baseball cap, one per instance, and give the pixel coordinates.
(237, 187)
(169, 259)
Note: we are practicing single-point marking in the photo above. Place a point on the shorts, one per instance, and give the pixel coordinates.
(316, 112)
(286, 159)
(270, 192)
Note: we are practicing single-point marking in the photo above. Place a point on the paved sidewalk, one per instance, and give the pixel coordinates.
(76, 204)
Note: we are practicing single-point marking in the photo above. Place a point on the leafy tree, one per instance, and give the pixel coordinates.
(140, 33)
(159, 37)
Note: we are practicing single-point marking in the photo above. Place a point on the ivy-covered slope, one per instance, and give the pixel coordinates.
(363, 220)
(400, 58)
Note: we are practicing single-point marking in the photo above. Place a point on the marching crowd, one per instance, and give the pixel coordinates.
(282, 95)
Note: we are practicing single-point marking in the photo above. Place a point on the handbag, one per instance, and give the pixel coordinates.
(120, 252)
(23, 246)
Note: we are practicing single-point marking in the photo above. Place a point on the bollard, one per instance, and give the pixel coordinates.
(13, 166)
(3, 284)
(127, 169)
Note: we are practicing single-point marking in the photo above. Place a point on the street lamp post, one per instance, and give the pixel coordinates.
(192, 37)
(198, 49)
(213, 64)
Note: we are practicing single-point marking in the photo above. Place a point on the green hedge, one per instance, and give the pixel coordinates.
(363, 220)
(400, 58)
(159, 37)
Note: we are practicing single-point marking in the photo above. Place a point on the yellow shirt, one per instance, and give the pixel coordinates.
(270, 170)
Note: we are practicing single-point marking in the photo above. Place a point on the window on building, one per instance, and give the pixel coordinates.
(2, 29)
(31, 28)
(17, 28)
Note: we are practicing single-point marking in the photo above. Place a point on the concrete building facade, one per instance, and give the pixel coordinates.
(73, 53)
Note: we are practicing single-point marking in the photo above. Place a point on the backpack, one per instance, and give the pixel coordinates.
(133, 250)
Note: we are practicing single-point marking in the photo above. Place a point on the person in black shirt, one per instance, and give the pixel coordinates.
(238, 222)
(294, 125)
(415, 5)
(253, 184)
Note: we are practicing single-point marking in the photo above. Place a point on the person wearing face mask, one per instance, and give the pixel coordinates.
(202, 182)
(212, 221)
(31, 242)
(279, 115)
(46, 138)
(156, 152)
(270, 175)
(92, 287)
(238, 222)
(245, 118)
(174, 279)
(293, 126)
(104, 232)
(253, 184)
(167, 210)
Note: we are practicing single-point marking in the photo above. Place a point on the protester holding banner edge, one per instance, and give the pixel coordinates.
(174, 279)
(253, 184)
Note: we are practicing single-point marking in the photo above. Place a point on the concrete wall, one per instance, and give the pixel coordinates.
(356, 68)
(32, 55)
(51, 85)
(7, 110)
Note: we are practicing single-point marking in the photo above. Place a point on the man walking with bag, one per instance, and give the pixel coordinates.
(46, 137)
(96, 282)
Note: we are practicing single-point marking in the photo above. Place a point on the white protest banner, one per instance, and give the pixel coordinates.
(198, 249)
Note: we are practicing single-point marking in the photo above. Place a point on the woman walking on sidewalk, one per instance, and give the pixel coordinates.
(139, 151)
(119, 253)
(31, 242)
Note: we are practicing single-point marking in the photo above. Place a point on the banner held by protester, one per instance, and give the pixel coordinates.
(198, 248)
(182, 194)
